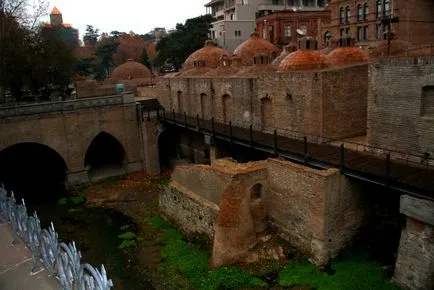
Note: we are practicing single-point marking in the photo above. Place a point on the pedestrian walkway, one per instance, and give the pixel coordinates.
(16, 266)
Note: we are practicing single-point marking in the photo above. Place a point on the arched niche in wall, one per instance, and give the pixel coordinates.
(266, 113)
(205, 106)
(226, 108)
(179, 101)
(258, 208)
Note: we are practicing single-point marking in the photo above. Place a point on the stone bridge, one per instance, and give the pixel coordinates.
(82, 134)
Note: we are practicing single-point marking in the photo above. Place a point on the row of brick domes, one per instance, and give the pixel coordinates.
(257, 51)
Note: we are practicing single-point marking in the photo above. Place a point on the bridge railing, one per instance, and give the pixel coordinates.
(64, 106)
(61, 260)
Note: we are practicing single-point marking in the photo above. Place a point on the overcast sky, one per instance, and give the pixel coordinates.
(140, 16)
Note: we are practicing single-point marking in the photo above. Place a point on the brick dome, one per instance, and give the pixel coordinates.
(207, 56)
(131, 70)
(254, 47)
(346, 55)
(302, 60)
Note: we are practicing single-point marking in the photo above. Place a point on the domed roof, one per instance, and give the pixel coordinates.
(209, 55)
(346, 55)
(131, 70)
(253, 47)
(302, 60)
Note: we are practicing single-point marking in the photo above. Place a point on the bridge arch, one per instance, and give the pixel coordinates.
(33, 170)
(105, 157)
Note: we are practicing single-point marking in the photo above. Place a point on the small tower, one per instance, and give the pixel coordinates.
(56, 17)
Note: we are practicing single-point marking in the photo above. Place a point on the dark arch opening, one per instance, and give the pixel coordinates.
(33, 171)
(168, 148)
(105, 157)
(256, 192)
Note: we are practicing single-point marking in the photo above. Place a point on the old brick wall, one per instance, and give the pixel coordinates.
(317, 211)
(193, 214)
(71, 133)
(415, 262)
(295, 101)
(344, 101)
(396, 117)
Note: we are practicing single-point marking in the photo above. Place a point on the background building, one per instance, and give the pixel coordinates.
(285, 21)
(233, 21)
(63, 31)
(368, 20)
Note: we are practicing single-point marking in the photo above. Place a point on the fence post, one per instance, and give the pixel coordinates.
(230, 131)
(305, 149)
(185, 119)
(387, 169)
(197, 123)
(275, 142)
(251, 135)
(342, 165)
(174, 117)
(213, 127)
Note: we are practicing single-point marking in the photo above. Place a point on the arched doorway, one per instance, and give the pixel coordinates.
(266, 113)
(257, 207)
(205, 106)
(226, 108)
(105, 157)
(179, 101)
(168, 148)
(33, 171)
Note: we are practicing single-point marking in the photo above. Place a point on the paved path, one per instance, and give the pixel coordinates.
(16, 265)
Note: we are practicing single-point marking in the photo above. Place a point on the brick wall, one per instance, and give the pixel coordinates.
(70, 134)
(395, 113)
(327, 102)
(318, 211)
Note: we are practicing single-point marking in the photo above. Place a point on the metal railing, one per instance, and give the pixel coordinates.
(61, 260)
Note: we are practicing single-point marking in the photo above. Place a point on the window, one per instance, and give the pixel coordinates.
(365, 32)
(365, 11)
(287, 31)
(256, 191)
(327, 37)
(386, 7)
(427, 101)
(321, 3)
(379, 31)
(379, 9)
(359, 12)
(342, 32)
(232, 17)
(213, 34)
(341, 16)
(347, 14)
(359, 33)
(347, 32)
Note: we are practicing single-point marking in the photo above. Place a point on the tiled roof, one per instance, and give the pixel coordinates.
(255, 46)
(131, 70)
(346, 55)
(209, 54)
(55, 11)
(302, 60)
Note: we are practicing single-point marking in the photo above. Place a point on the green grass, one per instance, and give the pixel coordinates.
(182, 257)
(127, 236)
(127, 244)
(352, 272)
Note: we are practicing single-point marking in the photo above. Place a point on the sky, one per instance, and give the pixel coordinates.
(139, 16)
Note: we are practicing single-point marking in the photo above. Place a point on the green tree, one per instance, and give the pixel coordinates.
(144, 59)
(104, 51)
(187, 38)
(91, 35)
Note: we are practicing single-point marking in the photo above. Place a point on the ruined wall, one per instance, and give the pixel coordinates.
(317, 211)
(400, 104)
(344, 101)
